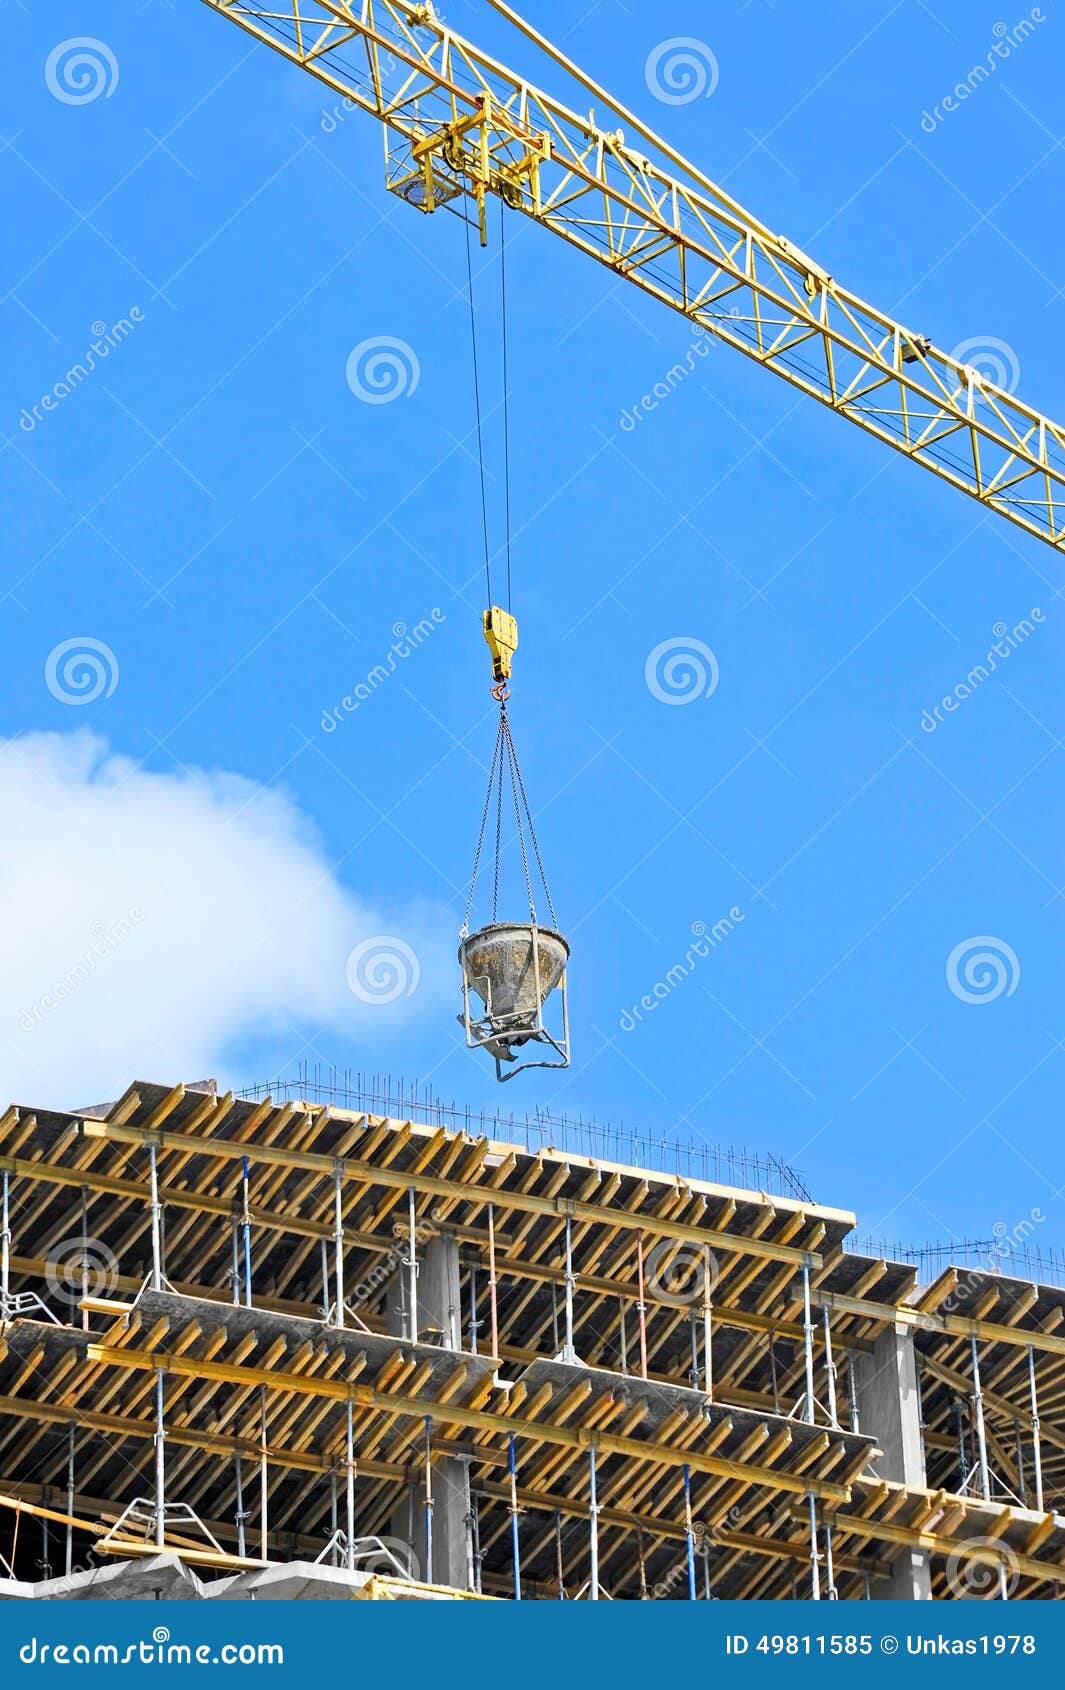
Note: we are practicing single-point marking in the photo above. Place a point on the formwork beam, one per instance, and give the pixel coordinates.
(430, 1185)
(451, 1413)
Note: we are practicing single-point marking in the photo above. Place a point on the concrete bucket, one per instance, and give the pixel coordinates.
(513, 967)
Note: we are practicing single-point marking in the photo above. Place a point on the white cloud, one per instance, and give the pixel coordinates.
(150, 921)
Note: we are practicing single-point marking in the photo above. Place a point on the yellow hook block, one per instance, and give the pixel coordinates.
(501, 632)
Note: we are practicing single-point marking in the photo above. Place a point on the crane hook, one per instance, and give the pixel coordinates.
(501, 633)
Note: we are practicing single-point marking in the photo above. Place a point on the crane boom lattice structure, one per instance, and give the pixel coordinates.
(459, 123)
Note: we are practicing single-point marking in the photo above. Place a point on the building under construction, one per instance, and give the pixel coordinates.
(289, 1348)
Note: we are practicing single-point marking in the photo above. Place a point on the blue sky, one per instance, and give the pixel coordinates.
(241, 533)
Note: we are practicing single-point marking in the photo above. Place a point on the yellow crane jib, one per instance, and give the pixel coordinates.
(501, 632)
(460, 125)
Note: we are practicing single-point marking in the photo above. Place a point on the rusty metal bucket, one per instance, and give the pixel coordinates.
(513, 968)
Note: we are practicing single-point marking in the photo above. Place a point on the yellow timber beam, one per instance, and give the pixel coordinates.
(972, 1549)
(451, 1413)
(985, 1331)
(351, 1168)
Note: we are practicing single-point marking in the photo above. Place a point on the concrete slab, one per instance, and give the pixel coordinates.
(375, 1346)
(661, 1400)
(294, 1581)
(160, 1577)
(13, 1590)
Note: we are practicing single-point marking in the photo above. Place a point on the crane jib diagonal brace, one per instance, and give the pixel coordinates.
(459, 123)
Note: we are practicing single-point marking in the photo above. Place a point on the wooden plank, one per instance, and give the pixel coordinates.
(986, 1332)
(366, 1396)
(524, 1202)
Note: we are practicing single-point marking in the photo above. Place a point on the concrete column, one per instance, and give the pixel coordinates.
(439, 1310)
(440, 1323)
(889, 1410)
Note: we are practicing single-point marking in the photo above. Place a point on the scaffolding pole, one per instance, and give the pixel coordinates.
(808, 1342)
(157, 1266)
(568, 1353)
(514, 1546)
(830, 1566)
(493, 1298)
(84, 1257)
(1037, 1454)
(70, 1503)
(5, 1245)
(815, 1572)
(412, 1269)
(239, 1515)
(963, 1456)
(852, 1392)
(641, 1307)
(160, 1462)
(245, 1220)
(467, 1521)
(338, 1245)
(264, 1487)
(593, 1528)
(830, 1367)
(349, 1488)
(477, 1556)
(689, 1532)
(708, 1312)
(981, 1435)
(428, 1498)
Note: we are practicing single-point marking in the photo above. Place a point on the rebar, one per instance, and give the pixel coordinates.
(540, 1130)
